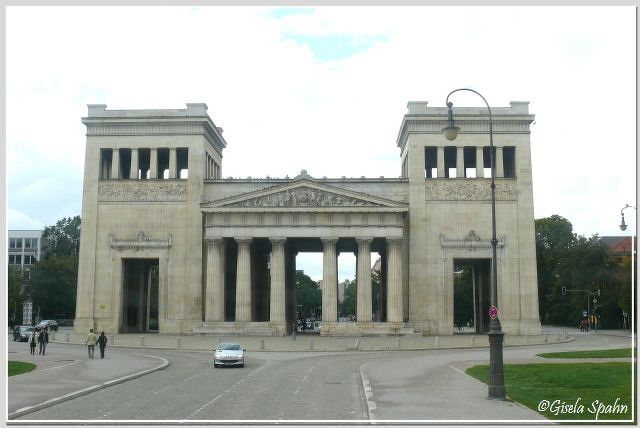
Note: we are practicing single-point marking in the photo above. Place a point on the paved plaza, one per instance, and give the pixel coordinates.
(393, 384)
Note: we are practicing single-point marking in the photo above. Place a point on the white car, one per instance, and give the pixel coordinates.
(228, 354)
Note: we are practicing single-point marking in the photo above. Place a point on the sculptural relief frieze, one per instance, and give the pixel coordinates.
(141, 191)
(302, 197)
(468, 190)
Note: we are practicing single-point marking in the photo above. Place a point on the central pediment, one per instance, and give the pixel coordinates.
(303, 194)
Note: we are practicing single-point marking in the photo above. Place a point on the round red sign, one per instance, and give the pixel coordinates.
(493, 312)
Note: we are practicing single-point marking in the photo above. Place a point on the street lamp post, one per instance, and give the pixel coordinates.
(623, 227)
(496, 336)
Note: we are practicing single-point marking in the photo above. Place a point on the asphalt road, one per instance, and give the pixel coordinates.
(310, 386)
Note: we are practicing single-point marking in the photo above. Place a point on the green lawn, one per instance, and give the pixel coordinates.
(18, 367)
(607, 353)
(586, 391)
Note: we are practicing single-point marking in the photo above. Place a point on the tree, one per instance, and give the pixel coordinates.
(575, 262)
(63, 239)
(54, 277)
(53, 286)
(14, 294)
(308, 294)
(348, 306)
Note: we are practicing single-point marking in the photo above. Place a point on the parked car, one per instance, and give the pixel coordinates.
(52, 324)
(22, 333)
(228, 354)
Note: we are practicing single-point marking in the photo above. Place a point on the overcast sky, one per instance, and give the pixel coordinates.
(324, 89)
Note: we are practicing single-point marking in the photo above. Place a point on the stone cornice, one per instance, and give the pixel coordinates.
(422, 125)
(192, 121)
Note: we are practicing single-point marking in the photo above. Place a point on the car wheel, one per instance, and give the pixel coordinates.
(215, 365)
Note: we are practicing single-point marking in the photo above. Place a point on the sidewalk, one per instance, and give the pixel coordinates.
(67, 372)
(312, 342)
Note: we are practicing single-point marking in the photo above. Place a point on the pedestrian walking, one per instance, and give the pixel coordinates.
(91, 342)
(102, 343)
(32, 342)
(43, 339)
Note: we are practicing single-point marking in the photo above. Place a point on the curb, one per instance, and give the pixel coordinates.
(26, 410)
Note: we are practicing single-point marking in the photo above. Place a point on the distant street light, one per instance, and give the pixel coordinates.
(496, 336)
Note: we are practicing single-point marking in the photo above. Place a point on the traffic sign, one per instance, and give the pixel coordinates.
(493, 312)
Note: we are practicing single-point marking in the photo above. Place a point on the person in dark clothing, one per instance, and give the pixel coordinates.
(102, 343)
(32, 341)
(43, 339)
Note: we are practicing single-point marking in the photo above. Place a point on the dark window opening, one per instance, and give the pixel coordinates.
(163, 163)
(125, 163)
(450, 154)
(486, 158)
(144, 163)
(470, 162)
(182, 162)
(431, 162)
(106, 156)
(509, 162)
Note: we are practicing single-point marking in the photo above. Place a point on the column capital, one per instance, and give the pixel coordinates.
(366, 240)
(329, 240)
(278, 240)
(243, 240)
(216, 240)
(394, 241)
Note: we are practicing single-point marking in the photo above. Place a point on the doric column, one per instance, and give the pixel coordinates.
(214, 309)
(153, 164)
(363, 281)
(394, 281)
(172, 163)
(243, 280)
(460, 162)
(440, 161)
(115, 164)
(277, 312)
(499, 163)
(329, 280)
(479, 162)
(133, 173)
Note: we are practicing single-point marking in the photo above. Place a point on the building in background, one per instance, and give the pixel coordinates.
(24, 249)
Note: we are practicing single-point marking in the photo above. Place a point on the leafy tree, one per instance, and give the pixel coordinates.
(308, 294)
(63, 239)
(575, 262)
(53, 286)
(348, 306)
(14, 295)
(54, 277)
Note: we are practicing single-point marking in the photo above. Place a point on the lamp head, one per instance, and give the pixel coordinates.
(623, 225)
(450, 131)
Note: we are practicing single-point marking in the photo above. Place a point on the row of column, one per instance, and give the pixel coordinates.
(153, 163)
(215, 287)
(212, 169)
(479, 162)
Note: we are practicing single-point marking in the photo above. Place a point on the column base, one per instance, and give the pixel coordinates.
(337, 329)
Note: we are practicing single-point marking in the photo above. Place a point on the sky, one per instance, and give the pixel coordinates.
(325, 89)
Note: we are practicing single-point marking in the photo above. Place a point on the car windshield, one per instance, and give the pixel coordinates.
(229, 347)
(26, 328)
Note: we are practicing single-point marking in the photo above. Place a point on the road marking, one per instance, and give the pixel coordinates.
(204, 406)
(51, 368)
(297, 391)
(368, 393)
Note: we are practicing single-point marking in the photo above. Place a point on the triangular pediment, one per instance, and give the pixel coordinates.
(303, 194)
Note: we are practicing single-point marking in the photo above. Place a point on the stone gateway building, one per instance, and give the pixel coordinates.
(169, 245)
